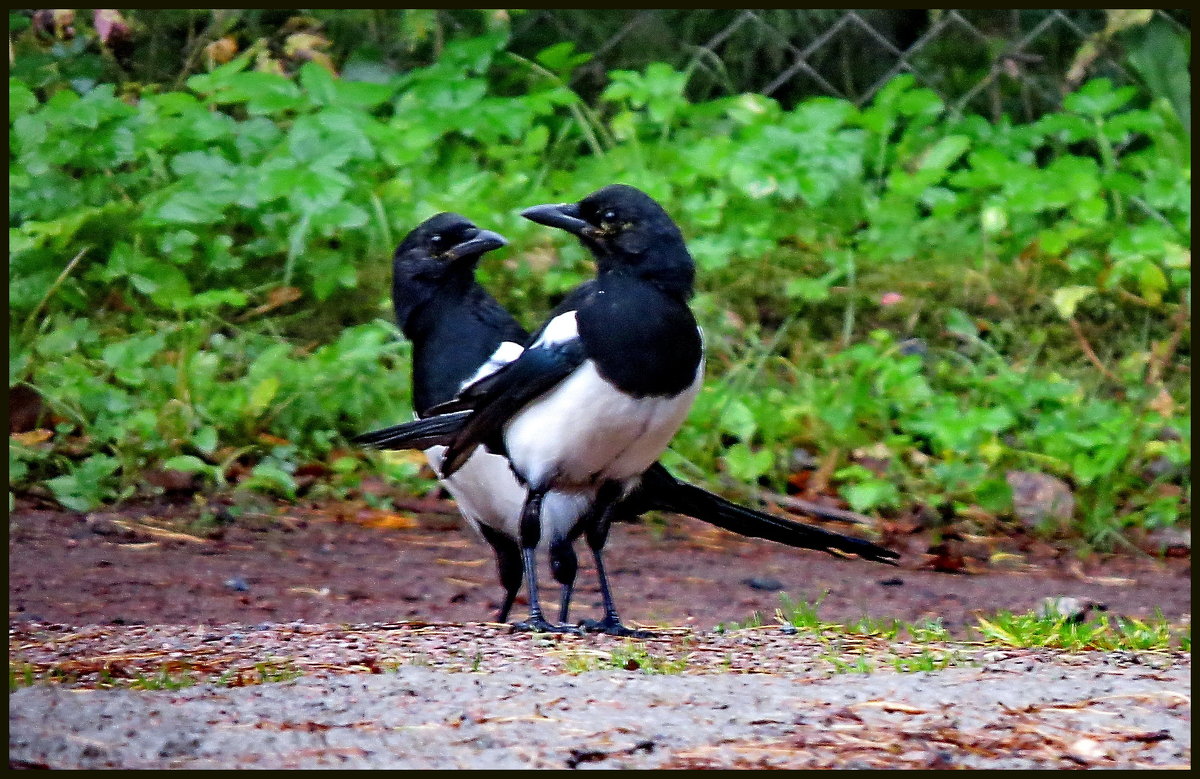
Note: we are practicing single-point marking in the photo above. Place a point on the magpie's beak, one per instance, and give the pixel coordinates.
(564, 216)
(482, 242)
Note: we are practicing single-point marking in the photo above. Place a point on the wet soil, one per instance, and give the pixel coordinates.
(348, 563)
(341, 635)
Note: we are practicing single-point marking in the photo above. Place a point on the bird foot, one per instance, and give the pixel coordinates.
(613, 627)
(537, 624)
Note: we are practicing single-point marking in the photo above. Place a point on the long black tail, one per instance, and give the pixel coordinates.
(660, 490)
(418, 434)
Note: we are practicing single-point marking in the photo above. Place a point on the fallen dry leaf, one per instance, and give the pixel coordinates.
(892, 707)
(33, 437)
(386, 520)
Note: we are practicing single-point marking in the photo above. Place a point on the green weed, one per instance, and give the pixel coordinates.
(199, 274)
(629, 657)
(163, 680)
(860, 665)
(929, 661)
(1103, 633)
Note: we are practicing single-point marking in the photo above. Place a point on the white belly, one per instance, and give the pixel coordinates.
(585, 432)
(488, 493)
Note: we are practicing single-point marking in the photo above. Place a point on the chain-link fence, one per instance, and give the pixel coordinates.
(1019, 62)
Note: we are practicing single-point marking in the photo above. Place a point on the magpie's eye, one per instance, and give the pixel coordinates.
(609, 216)
(436, 240)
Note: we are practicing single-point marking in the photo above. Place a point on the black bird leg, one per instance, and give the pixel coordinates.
(508, 565)
(564, 565)
(531, 533)
(597, 536)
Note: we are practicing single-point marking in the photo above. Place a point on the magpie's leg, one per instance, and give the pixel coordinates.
(531, 533)
(564, 564)
(508, 565)
(597, 536)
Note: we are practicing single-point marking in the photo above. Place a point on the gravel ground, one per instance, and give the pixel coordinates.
(413, 695)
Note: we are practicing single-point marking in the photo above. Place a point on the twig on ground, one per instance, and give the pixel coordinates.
(1160, 358)
(1090, 353)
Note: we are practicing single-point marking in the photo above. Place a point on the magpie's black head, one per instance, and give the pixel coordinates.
(627, 231)
(439, 253)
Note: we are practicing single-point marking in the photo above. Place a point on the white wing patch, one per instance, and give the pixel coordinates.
(585, 431)
(504, 354)
(561, 329)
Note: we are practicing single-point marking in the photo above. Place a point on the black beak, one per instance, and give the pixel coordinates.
(564, 216)
(482, 242)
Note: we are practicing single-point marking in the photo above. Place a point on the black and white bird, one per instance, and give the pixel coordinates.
(462, 335)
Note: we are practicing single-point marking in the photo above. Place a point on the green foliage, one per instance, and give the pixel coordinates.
(230, 239)
(1120, 633)
(630, 656)
(928, 661)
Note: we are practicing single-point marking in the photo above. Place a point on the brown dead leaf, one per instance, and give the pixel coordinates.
(820, 478)
(277, 297)
(307, 47)
(462, 582)
(138, 527)
(400, 457)
(33, 437)
(1163, 404)
(172, 480)
(386, 520)
(800, 480)
(220, 51)
(1076, 570)
(272, 440)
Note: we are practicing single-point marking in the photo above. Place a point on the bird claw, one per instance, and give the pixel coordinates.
(540, 625)
(613, 627)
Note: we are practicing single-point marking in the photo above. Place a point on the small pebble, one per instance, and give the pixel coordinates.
(763, 583)
(237, 584)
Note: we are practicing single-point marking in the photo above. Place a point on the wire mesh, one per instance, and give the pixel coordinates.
(991, 62)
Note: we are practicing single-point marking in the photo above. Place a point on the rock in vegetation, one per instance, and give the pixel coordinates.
(1039, 499)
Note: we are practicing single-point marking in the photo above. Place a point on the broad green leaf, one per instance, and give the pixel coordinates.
(870, 494)
(187, 463)
(262, 395)
(1152, 282)
(1067, 299)
(748, 465)
(738, 419)
(944, 153)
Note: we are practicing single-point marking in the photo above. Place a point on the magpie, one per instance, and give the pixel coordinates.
(604, 385)
(460, 334)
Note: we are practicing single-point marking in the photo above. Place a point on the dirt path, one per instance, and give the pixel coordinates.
(344, 563)
(476, 696)
(375, 613)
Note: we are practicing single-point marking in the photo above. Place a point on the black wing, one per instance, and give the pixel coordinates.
(660, 490)
(470, 396)
(418, 434)
(501, 396)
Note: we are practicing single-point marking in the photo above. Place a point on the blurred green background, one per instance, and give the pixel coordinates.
(944, 257)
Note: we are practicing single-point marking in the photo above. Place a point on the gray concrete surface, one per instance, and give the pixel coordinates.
(1096, 710)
